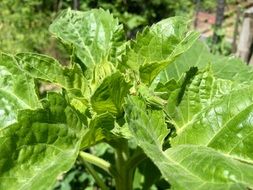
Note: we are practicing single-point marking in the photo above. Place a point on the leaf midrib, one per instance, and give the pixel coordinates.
(227, 123)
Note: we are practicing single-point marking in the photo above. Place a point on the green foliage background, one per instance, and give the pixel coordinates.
(23, 26)
(24, 23)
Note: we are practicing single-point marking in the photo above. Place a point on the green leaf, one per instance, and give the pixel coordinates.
(165, 90)
(95, 35)
(214, 110)
(203, 168)
(198, 90)
(154, 120)
(224, 125)
(99, 130)
(109, 96)
(199, 56)
(158, 46)
(49, 69)
(150, 97)
(184, 166)
(43, 144)
(100, 72)
(17, 90)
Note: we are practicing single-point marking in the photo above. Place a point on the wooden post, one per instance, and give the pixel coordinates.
(76, 4)
(246, 36)
(57, 5)
(237, 20)
(219, 19)
(251, 60)
(197, 13)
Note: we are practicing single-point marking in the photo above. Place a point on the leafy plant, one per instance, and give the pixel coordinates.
(155, 100)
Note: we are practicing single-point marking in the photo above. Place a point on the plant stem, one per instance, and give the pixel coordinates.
(136, 159)
(124, 180)
(99, 162)
(125, 165)
(95, 176)
(126, 170)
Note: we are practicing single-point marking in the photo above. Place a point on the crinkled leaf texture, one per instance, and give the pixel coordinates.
(213, 147)
(95, 36)
(216, 114)
(17, 90)
(99, 130)
(71, 78)
(158, 46)
(98, 42)
(109, 96)
(48, 69)
(41, 145)
(198, 90)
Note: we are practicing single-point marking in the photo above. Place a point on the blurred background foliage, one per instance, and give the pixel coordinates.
(24, 27)
(24, 23)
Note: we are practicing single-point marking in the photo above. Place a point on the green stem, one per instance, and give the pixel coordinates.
(99, 181)
(99, 162)
(136, 159)
(128, 169)
(124, 181)
(125, 165)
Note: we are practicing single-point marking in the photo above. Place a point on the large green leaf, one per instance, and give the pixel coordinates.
(158, 46)
(197, 91)
(206, 169)
(40, 146)
(95, 35)
(185, 166)
(199, 56)
(224, 124)
(212, 112)
(17, 90)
